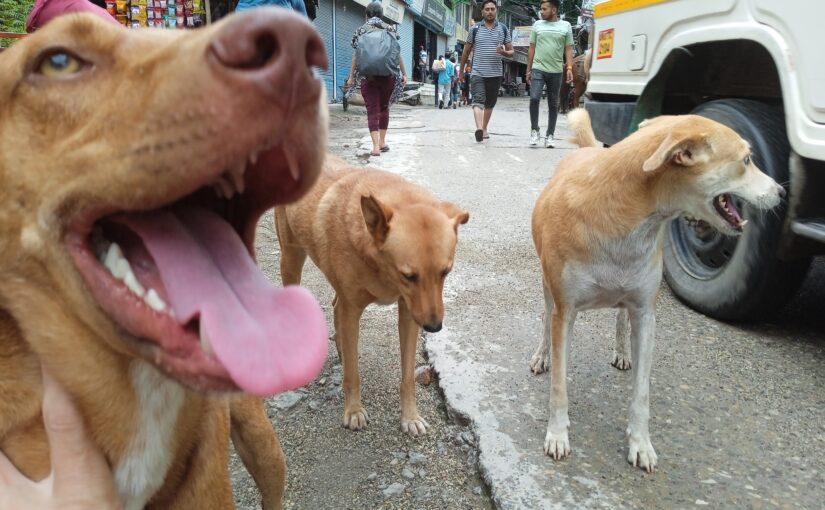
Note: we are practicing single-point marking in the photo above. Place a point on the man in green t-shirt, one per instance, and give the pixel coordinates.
(551, 44)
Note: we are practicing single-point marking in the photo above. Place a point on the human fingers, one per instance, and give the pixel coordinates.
(78, 466)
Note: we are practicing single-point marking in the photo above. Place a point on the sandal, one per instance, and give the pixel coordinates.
(385, 148)
(375, 153)
(479, 135)
(486, 137)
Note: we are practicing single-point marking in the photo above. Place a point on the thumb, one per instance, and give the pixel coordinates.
(76, 461)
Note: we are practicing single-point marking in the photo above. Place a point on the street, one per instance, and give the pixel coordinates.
(737, 410)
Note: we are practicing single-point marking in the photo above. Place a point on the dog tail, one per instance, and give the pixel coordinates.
(579, 121)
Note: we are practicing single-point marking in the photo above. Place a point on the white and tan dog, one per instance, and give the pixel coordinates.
(598, 227)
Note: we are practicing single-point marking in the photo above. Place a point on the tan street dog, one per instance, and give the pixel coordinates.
(598, 227)
(378, 239)
(134, 166)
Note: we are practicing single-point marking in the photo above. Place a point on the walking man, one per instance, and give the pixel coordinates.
(423, 64)
(488, 41)
(551, 44)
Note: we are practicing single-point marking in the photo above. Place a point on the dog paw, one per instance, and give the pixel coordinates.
(556, 444)
(642, 453)
(414, 427)
(621, 362)
(539, 363)
(356, 419)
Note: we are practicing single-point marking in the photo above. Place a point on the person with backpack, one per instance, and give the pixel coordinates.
(489, 40)
(438, 68)
(379, 69)
(445, 83)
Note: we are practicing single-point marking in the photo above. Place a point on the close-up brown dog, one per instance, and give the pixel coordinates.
(378, 239)
(598, 228)
(134, 166)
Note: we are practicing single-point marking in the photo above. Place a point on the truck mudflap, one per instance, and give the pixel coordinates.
(611, 121)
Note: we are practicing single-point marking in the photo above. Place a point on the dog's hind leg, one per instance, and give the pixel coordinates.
(621, 351)
(347, 317)
(556, 442)
(541, 358)
(257, 444)
(293, 256)
(335, 337)
(408, 331)
(643, 326)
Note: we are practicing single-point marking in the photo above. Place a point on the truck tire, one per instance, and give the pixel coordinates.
(738, 278)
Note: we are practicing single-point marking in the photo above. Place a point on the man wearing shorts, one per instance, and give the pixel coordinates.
(488, 41)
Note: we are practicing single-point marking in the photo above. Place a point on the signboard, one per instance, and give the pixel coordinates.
(449, 27)
(417, 6)
(586, 10)
(605, 44)
(521, 36)
(393, 10)
(435, 12)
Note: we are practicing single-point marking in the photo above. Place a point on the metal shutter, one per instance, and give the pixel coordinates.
(324, 25)
(405, 30)
(348, 17)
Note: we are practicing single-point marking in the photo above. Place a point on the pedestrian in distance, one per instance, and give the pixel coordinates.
(423, 63)
(445, 83)
(454, 83)
(464, 84)
(438, 67)
(379, 69)
(489, 40)
(551, 45)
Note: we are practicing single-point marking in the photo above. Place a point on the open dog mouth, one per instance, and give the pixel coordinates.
(182, 282)
(726, 208)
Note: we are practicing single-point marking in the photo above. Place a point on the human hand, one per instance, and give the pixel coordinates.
(500, 49)
(349, 82)
(569, 76)
(80, 478)
(403, 79)
(528, 77)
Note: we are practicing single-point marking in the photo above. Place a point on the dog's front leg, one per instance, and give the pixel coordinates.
(556, 442)
(347, 319)
(257, 444)
(541, 358)
(643, 327)
(408, 331)
(621, 351)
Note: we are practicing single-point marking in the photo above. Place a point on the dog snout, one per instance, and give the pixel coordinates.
(272, 49)
(432, 327)
(781, 191)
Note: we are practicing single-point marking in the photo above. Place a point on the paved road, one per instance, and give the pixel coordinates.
(737, 411)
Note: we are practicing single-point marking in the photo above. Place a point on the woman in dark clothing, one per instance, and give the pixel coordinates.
(378, 91)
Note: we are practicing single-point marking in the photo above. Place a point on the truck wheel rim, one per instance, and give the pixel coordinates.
(701, 250)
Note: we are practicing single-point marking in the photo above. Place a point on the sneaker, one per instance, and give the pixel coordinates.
(550, 142)
(440, 105)
(454, 106)
(534, 137)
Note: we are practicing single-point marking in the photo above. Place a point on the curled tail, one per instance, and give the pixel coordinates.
(579, 121)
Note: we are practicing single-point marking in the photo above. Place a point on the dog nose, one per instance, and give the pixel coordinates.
(274, 50)
(433, 327)
(782, 192)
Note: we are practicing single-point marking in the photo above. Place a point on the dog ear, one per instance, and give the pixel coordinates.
(455, 213)
(377, 217)
(682, 151)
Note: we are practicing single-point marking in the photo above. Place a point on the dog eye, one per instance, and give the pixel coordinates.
(747, 160)
(410, 277)
(445, 273)
(59, 63)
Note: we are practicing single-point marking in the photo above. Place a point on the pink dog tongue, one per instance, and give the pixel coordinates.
(268, 339)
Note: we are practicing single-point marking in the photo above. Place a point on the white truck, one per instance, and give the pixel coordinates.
(758, 67)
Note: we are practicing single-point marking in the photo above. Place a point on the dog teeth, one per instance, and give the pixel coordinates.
(154, 301)
(291, 160)
(743, 223)
(205, 345)
(253, 158)
(119, 267)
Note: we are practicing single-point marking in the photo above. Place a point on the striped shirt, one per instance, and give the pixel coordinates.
(485, 41)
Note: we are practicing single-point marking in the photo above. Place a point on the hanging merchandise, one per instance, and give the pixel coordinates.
(157, 13)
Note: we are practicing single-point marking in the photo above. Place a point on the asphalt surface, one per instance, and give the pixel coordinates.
(737, 410)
